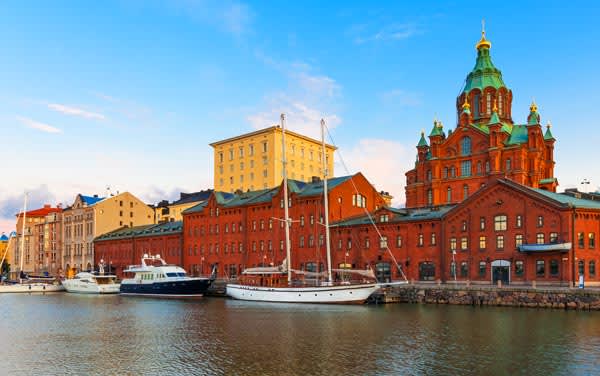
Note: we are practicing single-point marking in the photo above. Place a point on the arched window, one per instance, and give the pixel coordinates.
(445, 172)
(429, 197)
(465, 191)
(428, 175)
(487, 166)
(479, 168)
(449, 195)
(465, 146)
(488, 104)
(500, 104)
(476, 100)
(508, 164)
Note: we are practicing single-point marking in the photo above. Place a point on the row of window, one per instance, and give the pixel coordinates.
(264, 148)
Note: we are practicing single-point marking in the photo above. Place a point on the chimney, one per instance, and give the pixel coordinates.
(47, 206)
(315, 179)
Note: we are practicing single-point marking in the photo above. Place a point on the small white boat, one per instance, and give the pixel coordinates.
(29, 287)
(89, 283)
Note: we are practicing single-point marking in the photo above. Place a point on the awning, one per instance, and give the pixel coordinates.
(553, 247)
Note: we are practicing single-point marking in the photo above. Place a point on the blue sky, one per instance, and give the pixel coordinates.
(129, 94)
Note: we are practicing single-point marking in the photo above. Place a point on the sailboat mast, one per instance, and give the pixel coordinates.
(23, 232)
(326, 200)
(285, 203)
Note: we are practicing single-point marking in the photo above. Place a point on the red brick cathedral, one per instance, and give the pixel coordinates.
(486, 144)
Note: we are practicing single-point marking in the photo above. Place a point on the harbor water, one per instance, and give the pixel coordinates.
(60, 333)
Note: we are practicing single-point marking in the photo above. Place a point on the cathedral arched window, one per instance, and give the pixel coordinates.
(449, 195)
(465, 146)
(500, 104)
(428, 175)
(465, 191)
(429, 197)
(508, 164)
(445, 172)
(476, 100)
(488, 103)
(479, 168)
(487, 167)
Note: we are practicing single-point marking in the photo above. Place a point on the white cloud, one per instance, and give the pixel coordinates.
(74, 111)
(318, 85)
(237, 18)
(393, 32)
(382, 162)
(38, 125)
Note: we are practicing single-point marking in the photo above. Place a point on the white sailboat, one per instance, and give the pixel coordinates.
(275, 284)
(24, 284)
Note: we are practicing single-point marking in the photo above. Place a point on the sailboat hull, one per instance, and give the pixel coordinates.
(341, 294)
(31, 287)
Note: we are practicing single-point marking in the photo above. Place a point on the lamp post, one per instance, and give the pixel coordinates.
(345, 264)
(202, 265)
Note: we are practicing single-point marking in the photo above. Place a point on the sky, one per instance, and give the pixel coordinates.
(128, 94)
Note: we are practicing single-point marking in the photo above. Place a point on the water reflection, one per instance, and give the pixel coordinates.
(78, 334)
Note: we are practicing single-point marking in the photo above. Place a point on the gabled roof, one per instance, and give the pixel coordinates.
(186, 198)
(518, 135)
(123, 232)
(316, 188)
(399, 215)
(196, 208)
(3, 238)
(164, 228)
(42, 212)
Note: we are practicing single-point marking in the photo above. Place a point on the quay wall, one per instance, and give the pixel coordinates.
(557, 298)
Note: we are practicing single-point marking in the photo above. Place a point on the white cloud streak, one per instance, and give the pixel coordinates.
(393, 32)
(38, 125)
(74, 111)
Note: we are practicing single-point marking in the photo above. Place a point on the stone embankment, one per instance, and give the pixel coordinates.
(558, 298)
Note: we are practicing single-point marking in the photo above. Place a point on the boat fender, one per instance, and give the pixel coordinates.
(30, 287)
(44, 287)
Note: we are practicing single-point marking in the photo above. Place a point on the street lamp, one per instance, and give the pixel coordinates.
(202, 265)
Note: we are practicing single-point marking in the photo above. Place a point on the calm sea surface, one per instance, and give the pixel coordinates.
(57, 334)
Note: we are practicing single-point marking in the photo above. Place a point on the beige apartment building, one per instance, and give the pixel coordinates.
(40, 244)
(253, 160)
(91, 216)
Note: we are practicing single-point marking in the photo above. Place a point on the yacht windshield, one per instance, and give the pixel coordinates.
(176, 274)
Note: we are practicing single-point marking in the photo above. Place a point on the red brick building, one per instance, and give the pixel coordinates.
(242, 230)
(486, 144)
(505, 231)
(125, 246)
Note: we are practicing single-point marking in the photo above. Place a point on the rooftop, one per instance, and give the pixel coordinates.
(275, 128)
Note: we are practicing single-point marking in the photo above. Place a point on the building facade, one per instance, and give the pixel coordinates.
(125, 246)
(253, 161)
(42, 241)
(485, 144)
(91, 216)
(171, 212)
(235, 231)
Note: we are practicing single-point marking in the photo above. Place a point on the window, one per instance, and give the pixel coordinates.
(508, 164)
(464, 269)
(519, 221)
(500, 103)
(311, 241)
(540, 221)
(482, 223)
(476, 100)
(465, 168)
(580, 240)
(382, 242)
(384, 218)
(465, 148)
(554, 237)
(221, 157)
(359, 201)
(518, 240)
(540, 268)
(429, 197)
(519, 268)
(487, 167)
(591, 240)
(367, 243)
(464, 243)
(463, 226)
(312, 219)
(445, 174)
(453, 244)
(500, 223)
(301, 241)
(398, 241)
(482, 242)
(264, 147)
(479, 170)
(539, 238)
(429, 175)
(553, 267)
(241, 151)
(433, 239)
(251, 149)
(581, 267)
(230, 154)
(500, 242)
(488, 104)
(420, 240)
(449, 195)
(349, 244)
(482, 269)
(592, 268)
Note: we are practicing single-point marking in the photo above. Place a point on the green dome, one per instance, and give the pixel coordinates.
(484, 74)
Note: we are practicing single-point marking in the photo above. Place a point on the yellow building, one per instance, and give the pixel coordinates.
(254, 160)
(171, 212)
(91, 216)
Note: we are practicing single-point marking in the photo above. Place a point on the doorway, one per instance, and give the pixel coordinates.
(501, 272)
